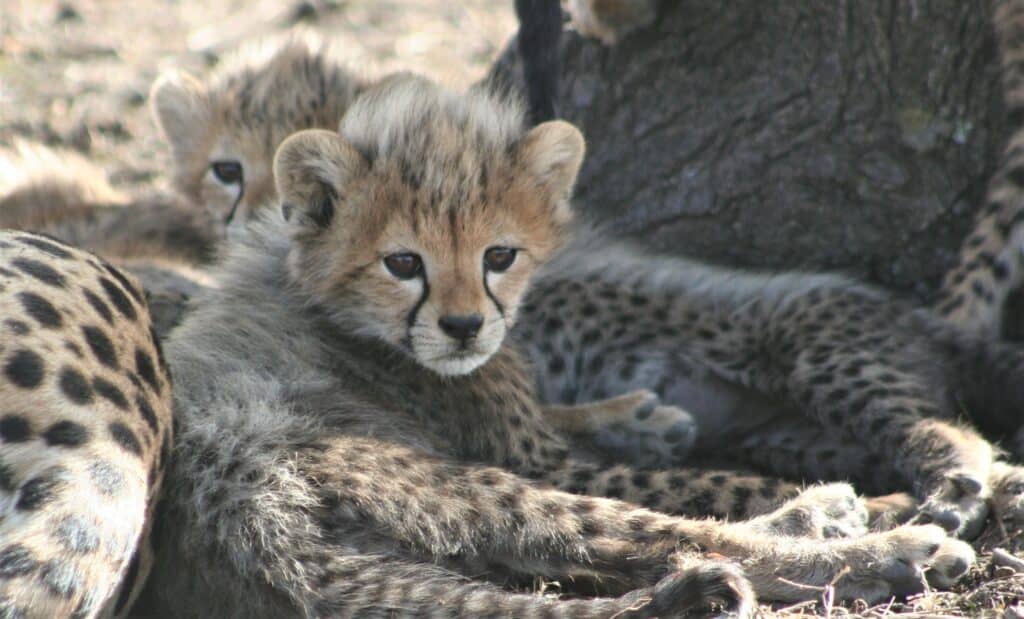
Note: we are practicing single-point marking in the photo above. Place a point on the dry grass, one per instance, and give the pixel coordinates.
(76, 73)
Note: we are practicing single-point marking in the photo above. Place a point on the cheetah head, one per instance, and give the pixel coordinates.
(421, 222)
(223, 130)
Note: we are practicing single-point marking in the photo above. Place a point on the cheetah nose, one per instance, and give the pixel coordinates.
(461, 328)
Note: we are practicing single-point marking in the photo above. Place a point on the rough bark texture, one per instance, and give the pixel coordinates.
(851, 136)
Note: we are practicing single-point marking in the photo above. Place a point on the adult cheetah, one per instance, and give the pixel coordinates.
(85, 431)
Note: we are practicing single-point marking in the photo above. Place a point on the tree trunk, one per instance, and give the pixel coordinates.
(850, 136)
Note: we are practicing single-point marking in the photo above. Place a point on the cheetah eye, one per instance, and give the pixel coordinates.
(227, 172)
(499, 259)
(404, 266)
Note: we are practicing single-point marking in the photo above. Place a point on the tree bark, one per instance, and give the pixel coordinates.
(851, 136)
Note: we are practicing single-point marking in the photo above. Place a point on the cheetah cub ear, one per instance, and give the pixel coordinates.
(311, 169)
(551, 154)
(181, 108)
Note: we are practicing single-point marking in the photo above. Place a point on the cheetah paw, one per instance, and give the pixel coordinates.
(819, 512)
(690, 589)
(650, 435)
(959, 505)
(900, 562)
(1008, 495)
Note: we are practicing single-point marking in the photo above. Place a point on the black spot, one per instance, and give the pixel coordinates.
(108, 480)
(77, 534)
(41, 489)
(67, 434)
(99, 305)
(118, 298)
(879, 424)
(1016, 175)
(40, 309)
(15, 429)
(7, 482)
(527, 445)
(25, 369)
(47, 246)
(769, 487)
(614, 492)
(556, 365)
(703, 503)
(39, 270)
(75, 386)
(101, 346)
(124, 437)
(16, 560)
(144, 366)
(740, 496)
(132, 290)
(61, 578)
(19, 327)
(109, 391)
(641, 479)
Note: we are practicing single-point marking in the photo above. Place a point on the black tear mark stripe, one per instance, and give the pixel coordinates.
(410, 320)
(490, 295)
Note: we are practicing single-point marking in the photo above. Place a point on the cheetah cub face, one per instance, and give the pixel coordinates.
(421, 222)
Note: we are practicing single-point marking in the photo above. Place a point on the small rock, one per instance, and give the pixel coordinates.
(1014, 612)
(80, 138)
(1002, 558)
(1002, 571)
(67, 12)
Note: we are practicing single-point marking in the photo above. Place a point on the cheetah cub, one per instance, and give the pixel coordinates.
(85, 431)
(358, 437)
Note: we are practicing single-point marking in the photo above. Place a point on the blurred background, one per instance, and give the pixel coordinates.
(76, 73)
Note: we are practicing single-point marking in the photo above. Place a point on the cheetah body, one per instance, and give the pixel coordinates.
(84, 434)
(751, 367)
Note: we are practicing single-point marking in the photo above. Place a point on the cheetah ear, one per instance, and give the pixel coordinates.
(181, 108)
(312, 169)
(551, 154)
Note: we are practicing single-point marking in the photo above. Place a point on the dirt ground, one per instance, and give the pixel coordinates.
(76, 73)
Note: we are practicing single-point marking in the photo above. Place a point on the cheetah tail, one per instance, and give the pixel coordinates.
(40, 186)
(539, 40)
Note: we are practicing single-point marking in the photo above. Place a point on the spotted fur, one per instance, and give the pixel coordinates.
(991, 261)
(746, 359)
(85, 431)
(328, 463)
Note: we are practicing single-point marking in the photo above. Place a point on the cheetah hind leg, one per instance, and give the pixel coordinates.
(634, 428)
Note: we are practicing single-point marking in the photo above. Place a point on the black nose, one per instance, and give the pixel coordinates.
(461, 328)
